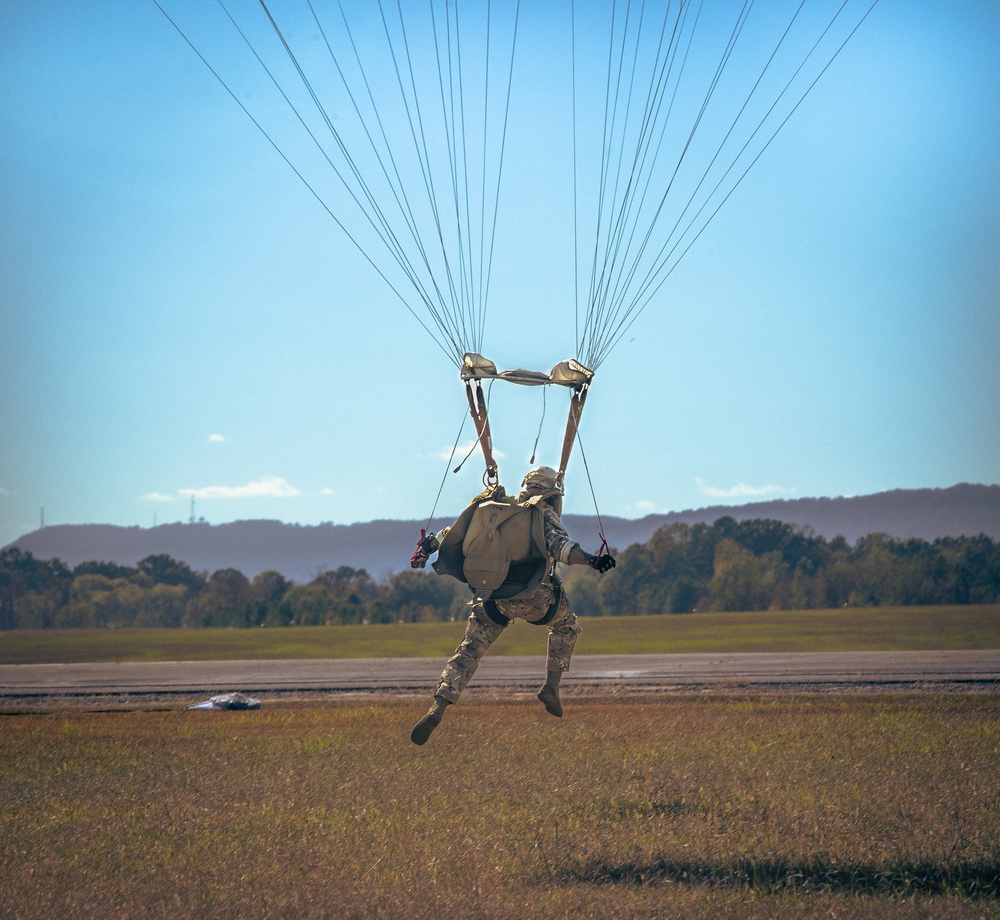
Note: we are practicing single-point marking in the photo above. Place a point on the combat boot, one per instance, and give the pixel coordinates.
(422, 730)
(549, 694)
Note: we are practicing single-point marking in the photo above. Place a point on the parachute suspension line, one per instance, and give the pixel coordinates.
(617, 329)
(576, 187)
(415, 121)
(534, 450)
(606, 153)
(460, 190)
(453, 115)
(618, 295)
(603, 302)
(588, 321)
(653, 101)
(600, 299)
(625, 281)
(476, 282)
(453, 285)
(650, 291)
(435, 305)
(593, 495)
(444, 478)
(732, 42)
(464, 312)
(309, 187)
(503, 147)
(373, 213)
(458, 162)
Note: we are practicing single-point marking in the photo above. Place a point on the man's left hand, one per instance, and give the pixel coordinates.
(603, 563)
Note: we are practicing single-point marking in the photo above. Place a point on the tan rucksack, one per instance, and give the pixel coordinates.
(496, 547)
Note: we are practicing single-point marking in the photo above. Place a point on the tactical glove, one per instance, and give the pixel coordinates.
(603, 563)
(426, 547)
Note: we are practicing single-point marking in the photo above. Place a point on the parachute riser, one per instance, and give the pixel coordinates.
(478, 411)
(572, 426)
(570, 374)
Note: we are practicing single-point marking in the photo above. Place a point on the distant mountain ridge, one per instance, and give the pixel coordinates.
(300, 552)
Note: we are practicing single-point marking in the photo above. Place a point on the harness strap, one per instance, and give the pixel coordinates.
(494, 615)
(553, 608)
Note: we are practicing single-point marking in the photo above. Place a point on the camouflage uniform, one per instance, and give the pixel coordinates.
(482, 631)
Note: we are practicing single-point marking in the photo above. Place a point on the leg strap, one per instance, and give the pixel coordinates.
(493, 614)
(553, 608)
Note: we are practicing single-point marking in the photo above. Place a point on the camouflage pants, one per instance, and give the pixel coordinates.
(481, 632)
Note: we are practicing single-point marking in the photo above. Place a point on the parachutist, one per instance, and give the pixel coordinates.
(507, 551)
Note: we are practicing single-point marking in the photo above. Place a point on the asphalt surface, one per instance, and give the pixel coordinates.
(184, 682)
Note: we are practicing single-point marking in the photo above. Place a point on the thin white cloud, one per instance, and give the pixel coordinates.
(4, 491)
(645, 507)
(740, 490)
(157, 497)
(328, 492)
(216, 438)
(269, 487)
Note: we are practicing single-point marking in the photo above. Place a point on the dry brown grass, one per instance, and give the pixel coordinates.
(773, 807)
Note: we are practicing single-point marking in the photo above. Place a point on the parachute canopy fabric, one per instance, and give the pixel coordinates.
(228, 701)
(396, 117)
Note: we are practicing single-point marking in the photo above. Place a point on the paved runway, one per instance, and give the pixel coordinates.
(181, 681)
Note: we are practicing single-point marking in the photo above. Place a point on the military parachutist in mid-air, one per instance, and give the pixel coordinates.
(635, 239)
(507, 550)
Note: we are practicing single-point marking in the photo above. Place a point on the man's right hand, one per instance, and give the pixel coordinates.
(426, 547)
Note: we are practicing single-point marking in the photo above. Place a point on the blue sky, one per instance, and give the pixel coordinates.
(179, 318)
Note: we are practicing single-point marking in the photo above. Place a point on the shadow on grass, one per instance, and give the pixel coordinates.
(979, 880)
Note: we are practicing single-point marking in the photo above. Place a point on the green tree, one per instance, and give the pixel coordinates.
(342, 595)
(161, 606)
(31, 590)
(419, 597)
(224, 601)
(107, 569)
(165, 570)
(743, 581)
(268, 592)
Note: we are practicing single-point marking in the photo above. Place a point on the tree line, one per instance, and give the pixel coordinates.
(770, 565)
(726, 566)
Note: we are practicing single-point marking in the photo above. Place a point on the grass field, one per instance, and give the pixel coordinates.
(771, 807)
(707, 806)
(852, 629)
